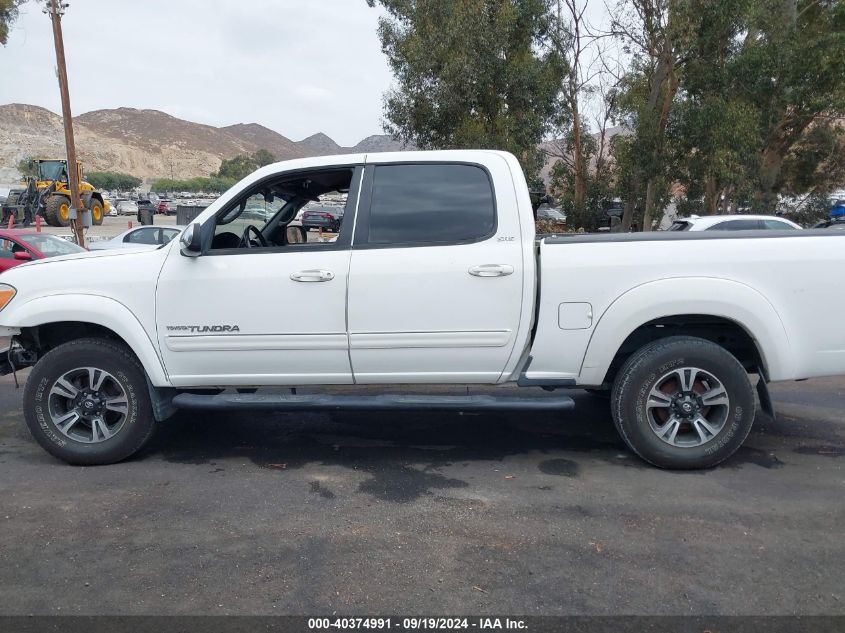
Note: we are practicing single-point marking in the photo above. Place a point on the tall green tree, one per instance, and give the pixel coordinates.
(243, 165)
(263, 157)
(792, 68)
(713, 127)
(657, 34)
(27, 167)
(571, 41)
(471, 73)
(8, 14)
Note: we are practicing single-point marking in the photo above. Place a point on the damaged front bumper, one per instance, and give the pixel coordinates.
(7, 353)
(15, 358)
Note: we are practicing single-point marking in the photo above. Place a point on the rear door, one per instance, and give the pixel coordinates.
(436, 276)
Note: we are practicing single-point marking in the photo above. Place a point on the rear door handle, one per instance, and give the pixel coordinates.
(491, 270)
(312, 275)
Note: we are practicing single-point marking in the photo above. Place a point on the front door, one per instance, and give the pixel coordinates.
(256, 308)
(436, 280)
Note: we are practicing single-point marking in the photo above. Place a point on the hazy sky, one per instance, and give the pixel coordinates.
(296, 66)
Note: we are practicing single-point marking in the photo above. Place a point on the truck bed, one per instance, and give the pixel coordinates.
(780, 286)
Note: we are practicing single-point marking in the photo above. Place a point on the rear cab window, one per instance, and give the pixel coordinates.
(428, 204)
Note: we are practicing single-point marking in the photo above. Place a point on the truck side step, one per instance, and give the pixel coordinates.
(290, 402)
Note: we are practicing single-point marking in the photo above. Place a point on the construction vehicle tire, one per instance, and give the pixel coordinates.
(57, 211)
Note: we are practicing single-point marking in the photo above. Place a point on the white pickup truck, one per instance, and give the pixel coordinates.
(434, 277)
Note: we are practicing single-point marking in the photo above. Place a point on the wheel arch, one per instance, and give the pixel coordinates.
(55, 319)
(726, 312)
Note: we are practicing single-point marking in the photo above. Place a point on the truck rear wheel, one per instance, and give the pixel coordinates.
(57, 211)
(683, 402)
(86, 402)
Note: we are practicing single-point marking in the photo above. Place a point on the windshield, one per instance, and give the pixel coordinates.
(52, 170)
(51, 246)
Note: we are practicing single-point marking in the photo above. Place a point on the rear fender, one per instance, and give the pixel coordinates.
(689, 295)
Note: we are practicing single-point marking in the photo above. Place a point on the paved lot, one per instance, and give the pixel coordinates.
(111, 226)
(427, 513)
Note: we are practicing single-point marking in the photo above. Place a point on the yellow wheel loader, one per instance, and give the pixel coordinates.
(47, 193)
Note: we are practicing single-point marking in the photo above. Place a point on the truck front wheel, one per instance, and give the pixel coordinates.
(86, 402)
(683, 402)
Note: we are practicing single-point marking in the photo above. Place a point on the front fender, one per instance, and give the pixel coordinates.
(94, 309)
(682, 296)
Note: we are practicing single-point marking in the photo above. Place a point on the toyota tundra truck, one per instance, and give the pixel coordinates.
(435, 277)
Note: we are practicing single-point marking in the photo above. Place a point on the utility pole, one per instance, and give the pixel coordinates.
(56, 9)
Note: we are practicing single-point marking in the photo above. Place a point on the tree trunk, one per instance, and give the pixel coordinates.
(766, 196)
(650, 195)
(726, 200)
(580, 163)
(628, 214)
(711, 195)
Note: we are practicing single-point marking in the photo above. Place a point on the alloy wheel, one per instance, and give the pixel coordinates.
(687, 407)
(88, 405)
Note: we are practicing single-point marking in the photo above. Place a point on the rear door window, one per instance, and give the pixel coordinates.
(168, 234)
(430, 204)
(736, 225)
(777, 225)
(144, 236)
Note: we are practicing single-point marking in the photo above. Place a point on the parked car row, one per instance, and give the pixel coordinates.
(140, 236)
(733, 223)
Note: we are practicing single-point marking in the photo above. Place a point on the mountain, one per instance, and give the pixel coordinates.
(150, 144)
(380, 143)
(261, 137)
(320, 145)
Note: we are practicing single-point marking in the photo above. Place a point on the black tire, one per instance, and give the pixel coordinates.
(137, 423)
(54, 213)
(636, 413)
(97, 212)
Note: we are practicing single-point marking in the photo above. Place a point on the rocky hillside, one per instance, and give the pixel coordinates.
(150, 144)
(320, 145)
(260, 137)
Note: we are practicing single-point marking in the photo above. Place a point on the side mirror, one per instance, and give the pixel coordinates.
(191, 241)
(296, 235)
(23, 256)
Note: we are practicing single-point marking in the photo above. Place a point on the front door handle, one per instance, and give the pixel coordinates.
(312, 275)
(491, 270)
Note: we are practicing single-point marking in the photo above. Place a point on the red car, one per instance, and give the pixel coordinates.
(21, 246)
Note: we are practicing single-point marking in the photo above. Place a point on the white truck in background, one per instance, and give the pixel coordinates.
(435, 277)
